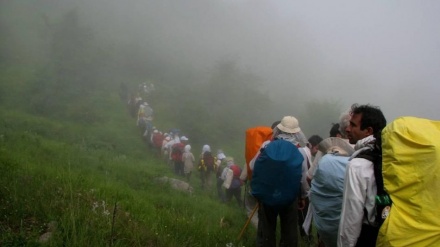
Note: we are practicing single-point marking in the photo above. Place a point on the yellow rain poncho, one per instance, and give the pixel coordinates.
(411, 173)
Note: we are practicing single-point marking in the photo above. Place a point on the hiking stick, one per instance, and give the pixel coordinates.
(247, 222)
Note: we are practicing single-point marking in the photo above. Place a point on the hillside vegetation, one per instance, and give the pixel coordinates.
(96, 183)
(75, 170)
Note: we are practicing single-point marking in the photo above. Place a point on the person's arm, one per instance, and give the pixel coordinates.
(353, 204)
(243, 175)
(224, 173)
(304, 184)
(314, 166)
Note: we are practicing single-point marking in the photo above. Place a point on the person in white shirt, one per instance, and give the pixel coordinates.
(358, 203)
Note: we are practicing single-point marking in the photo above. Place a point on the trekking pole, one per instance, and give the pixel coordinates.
(247, 222)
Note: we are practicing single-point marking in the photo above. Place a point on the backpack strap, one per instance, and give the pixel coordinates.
(382, 198)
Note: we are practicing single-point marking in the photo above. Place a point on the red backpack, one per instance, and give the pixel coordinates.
(236, 170)
(208, 160)
(157, 140)
(177, 151)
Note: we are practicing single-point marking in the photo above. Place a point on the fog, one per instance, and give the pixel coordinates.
(385, 53)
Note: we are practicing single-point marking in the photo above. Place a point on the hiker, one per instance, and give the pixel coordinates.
(344, 121)
(145, 120)
(137, 104)
(177, 150)
(358, 203)
(322, 150)
(174, 138)
(165, 153)
(334, 131)
(188, 162)
(256, 138)
(410, 175)
(219, 169)
(157, 139)
(146, 117)
(150, 136)
(234, 188)
(327, 187)
(206, 166)
(285, 205)
(308, 152)
(314, 141)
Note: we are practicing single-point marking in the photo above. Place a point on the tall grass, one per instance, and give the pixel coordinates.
(96, 184)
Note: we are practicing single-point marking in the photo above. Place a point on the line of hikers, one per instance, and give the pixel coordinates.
(366, 184)
(175, 149)
(337, 183)
(289, 170)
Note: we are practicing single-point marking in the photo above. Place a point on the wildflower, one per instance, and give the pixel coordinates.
(106, 213)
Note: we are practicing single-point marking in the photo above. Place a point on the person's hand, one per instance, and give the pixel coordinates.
(301, 203)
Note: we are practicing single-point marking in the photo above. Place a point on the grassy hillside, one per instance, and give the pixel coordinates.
(96, 184)
(74, 169)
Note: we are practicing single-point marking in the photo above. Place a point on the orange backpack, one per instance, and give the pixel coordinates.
(254, 138)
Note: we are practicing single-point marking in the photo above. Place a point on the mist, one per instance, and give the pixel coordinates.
(381, 53)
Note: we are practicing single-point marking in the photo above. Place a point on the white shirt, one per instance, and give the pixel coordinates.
(305, 188)
(359, 193)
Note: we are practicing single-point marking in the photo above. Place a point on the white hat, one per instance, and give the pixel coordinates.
(184, 138)
(289, 124)
(206, 148)
(221, 156)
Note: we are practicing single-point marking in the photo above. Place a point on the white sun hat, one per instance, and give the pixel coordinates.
(289, 124)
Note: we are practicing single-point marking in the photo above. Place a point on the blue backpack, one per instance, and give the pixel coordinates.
(277, 174)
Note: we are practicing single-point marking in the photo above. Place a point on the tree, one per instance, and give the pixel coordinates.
(68, 82)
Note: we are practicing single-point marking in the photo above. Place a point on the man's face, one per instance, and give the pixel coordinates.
(354, 132)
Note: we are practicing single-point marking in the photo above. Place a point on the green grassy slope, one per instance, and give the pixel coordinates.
(96, 183)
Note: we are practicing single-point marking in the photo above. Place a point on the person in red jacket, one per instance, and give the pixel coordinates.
(234, 189)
